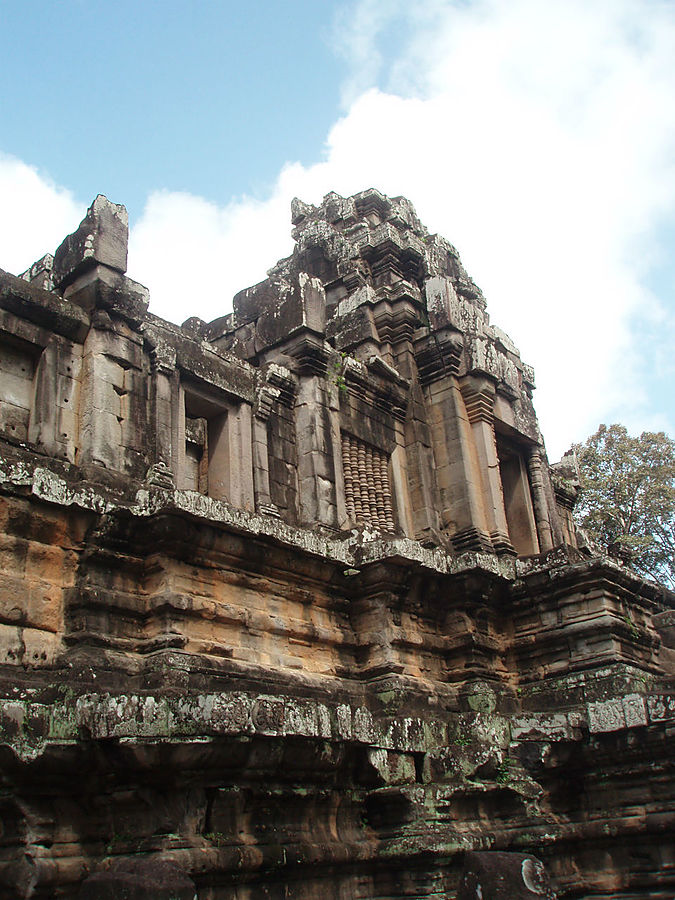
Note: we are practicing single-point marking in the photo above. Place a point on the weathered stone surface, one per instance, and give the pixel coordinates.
(101, 238)
(41, 273)
(31, 314)
(292, 602)
(504, 876)
(144, 879)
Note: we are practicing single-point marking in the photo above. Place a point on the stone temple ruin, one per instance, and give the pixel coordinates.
(292, 603)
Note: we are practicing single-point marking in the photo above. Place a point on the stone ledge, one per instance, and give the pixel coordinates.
(43, 308)
(355, 550)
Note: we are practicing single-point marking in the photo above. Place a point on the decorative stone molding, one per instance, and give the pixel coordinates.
(479, 403)
(266, 397)
(438, 355)
(163, 359)
(41, 273)
(471, 539)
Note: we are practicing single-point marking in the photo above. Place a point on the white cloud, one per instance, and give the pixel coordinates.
(36, 215)
(538, 137)
(194, 255)
(356, 29)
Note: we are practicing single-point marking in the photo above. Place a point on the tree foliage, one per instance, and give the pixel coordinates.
(627, 503)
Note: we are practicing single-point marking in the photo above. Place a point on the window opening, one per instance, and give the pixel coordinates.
(368, 495)
(206, 460)
(517, 498)
(18, 362)
(196, 455)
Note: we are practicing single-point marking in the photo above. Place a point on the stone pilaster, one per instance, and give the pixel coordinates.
(267, 395)
(541, 512)
(162, 404)
(231, 437)
(378, 622)
(455, 467)
(42, 423)
(478, 395)
(316, 467)
(413, 470)
(112, 405)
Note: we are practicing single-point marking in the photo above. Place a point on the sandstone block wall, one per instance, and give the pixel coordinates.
(291, 602)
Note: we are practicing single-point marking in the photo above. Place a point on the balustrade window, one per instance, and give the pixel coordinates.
(368, 495)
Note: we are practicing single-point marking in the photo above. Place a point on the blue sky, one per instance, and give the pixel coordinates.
(133, 96)
(538, 137)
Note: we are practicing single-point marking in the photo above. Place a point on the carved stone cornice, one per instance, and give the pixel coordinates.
(310, 351)
(279, 385)
(438, 354)
(471, 540)
(502, 544)
(266, 397)
(163, 359)
(378, 384)
(566, 493)
(396, 318)
(160, 475)
(479, 403)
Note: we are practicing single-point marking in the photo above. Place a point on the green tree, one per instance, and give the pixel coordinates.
(627, 502)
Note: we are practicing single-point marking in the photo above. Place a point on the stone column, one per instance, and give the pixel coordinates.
(400, 479)
(42, 422)
(519, 505)
(178, 432)
(541, 513)
(341, 511)
(478, 395)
